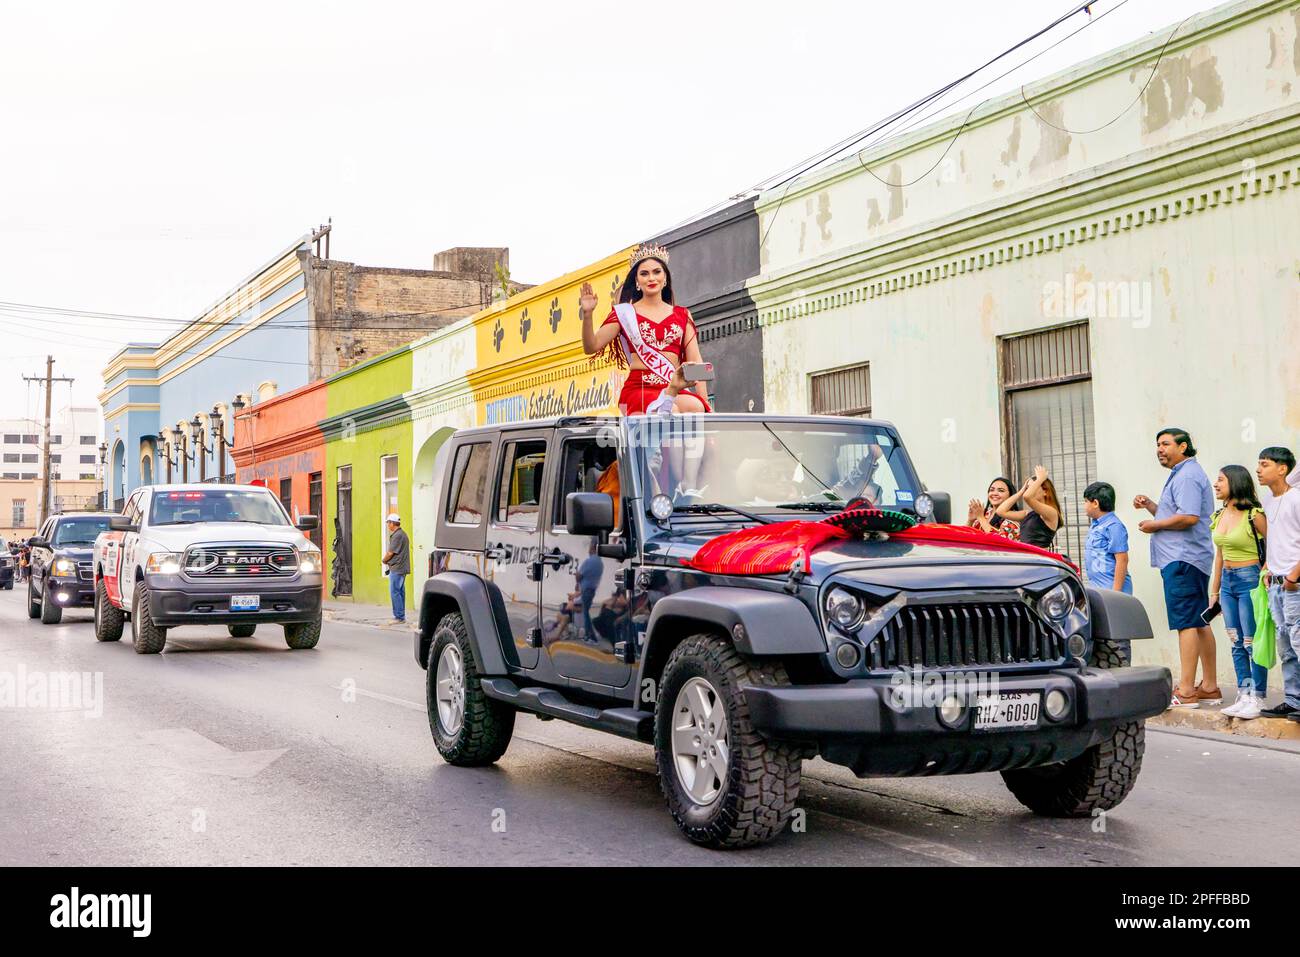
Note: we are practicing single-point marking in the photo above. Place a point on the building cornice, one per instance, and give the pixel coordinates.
(376, 415)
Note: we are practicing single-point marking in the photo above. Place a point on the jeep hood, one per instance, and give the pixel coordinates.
(893, 563)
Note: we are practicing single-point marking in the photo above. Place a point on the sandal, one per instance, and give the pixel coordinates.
(1209, 697)
(1187, 702)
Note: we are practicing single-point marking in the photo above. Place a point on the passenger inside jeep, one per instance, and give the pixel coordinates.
(588, 467)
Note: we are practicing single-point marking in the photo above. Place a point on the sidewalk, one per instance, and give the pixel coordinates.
(1211, 718)
(378, 616)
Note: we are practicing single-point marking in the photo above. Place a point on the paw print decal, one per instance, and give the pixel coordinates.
(525, 324)
(555, 313)
(498, 333)
(615, 288)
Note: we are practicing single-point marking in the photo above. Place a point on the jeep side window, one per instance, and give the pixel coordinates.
(587, 466)
(468, 498)
(521, 483)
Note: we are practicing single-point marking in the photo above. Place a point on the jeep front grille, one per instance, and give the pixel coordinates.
(239, 561)
(964, 635)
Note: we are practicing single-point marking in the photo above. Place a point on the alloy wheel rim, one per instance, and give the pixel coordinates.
(700, 744)
(450, 689)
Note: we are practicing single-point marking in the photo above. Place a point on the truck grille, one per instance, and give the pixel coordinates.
(240, 561)
(86, 571)
(964, 635)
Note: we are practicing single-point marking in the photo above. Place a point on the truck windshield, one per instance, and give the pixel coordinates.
(78, 531)
(216, 505)
(777, 465)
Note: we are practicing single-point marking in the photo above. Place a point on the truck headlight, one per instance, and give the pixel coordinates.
(309, 561)
(163, 563)
(1056, 604)
(64, 568)
(844, 609)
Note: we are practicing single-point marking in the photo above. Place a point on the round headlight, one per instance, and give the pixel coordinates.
(1056, 704)
(1056, 604)
(924, 505)
(950, 710)
(844, 609)
(661, 507)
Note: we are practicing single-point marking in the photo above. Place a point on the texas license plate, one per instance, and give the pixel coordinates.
(245, 602)
(995, 712)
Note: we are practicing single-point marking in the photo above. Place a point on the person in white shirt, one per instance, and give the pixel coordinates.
(1277, 473)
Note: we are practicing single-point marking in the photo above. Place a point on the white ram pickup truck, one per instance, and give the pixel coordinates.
(206, 554)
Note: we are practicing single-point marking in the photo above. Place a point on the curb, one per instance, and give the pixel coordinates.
(1211, 719)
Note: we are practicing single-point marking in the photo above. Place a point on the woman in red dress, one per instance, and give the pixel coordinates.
(662, 326)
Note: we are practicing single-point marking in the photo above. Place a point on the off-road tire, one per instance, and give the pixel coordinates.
(241, 631)
(301, 635)
(108, 619)
(763, 776)
(1110, 654)
(33, 606)
(1097, 780)
(487, 724)
(146, 636)
(51, 614)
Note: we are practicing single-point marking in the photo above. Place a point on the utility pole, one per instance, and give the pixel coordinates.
(49, 381)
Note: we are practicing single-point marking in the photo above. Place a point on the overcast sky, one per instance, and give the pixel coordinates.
(153, 154)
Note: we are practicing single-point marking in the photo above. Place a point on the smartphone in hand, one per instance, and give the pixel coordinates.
(1211, 613)
(697, 371)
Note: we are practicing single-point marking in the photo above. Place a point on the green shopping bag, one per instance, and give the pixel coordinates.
(1263, 650)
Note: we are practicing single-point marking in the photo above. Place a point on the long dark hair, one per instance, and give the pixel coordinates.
(630, 293)
(1241, 488)
(1011, 490)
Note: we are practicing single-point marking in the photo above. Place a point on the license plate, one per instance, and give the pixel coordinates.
(245, 602)
(997, 711)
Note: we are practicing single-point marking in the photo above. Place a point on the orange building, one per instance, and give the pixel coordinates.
(278, 444)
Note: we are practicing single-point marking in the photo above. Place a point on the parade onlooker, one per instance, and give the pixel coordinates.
(589, 574)
(986, 518)
(1238, 530)
(1106, 551)
(1042, 517)
(1183, 551)
(1277, 472)
(398, 565)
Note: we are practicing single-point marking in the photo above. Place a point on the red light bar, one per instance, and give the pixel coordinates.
(186, 495)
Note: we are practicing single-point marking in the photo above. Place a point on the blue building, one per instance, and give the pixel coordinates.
(168, 406)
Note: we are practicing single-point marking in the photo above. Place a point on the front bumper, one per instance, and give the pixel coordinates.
(80, 594)
(174, 601)
(861, 724)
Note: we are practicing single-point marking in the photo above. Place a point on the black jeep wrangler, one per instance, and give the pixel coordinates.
(559, 585)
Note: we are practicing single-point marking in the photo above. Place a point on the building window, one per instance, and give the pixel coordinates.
(28, 475)
(20, 512)
(86, 439)
(87, 460)
(316, 506)
(341, 570)
(56, 458)
(286, 494)
(1046, 380)
(12, 439)
(842, 391)
(388, 495)
(30, 458)
(31, 440)
(12, 457)
(56, 440)
(11, 475)
(87, 476)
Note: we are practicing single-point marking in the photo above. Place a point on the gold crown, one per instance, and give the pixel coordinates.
(648, 251)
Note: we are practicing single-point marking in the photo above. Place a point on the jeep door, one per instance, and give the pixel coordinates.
(514, 536)
(585, 606)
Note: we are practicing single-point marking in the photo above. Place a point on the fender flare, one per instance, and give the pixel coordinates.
(757, 622)
(1116, 616)
(469, 595)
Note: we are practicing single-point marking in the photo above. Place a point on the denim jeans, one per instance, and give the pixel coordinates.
(1285, 606)
(397, 592)
(1239, 618)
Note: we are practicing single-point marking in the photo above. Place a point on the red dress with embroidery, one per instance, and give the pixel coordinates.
(670, 336)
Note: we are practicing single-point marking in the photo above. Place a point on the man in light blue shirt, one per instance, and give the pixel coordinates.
(1181, 547)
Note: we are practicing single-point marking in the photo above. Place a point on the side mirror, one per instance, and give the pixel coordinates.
(37, 542)
(942, 507)
(590, 513)
(306, 523)
(121, 523)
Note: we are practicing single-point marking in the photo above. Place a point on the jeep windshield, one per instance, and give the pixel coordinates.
(216, 505)
(777, 467)
(78, 531)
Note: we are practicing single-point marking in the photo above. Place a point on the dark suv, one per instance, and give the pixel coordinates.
(62, 574)
(561, 585)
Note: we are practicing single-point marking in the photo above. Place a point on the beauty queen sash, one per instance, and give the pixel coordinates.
(654, 360)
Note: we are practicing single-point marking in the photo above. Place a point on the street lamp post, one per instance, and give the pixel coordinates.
(103, 474)
(200, 446)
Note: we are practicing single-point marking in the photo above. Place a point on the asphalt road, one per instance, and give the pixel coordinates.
(229, 751)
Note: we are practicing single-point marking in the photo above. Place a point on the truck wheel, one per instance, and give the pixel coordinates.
(147, 637)
(241, 631)
(51, 614)
(108, 620)
(1097, 780)
(469, 728)
(33, 606)
(1110, 654)
(297, 635)
(726, 785)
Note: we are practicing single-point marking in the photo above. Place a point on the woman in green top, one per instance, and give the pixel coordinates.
(1236, 528)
